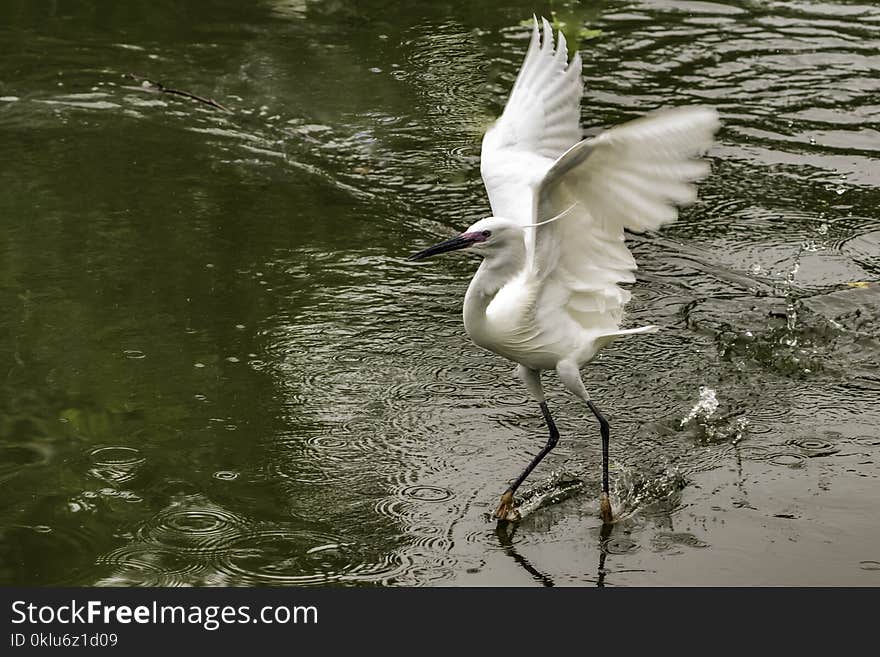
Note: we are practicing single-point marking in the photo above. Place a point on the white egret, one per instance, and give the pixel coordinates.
(547, 294)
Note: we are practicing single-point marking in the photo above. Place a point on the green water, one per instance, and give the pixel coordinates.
(218, 368)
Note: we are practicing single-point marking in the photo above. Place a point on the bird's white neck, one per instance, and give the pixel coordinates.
(499, 267)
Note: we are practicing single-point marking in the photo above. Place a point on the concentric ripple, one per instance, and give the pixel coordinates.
(143, 564)
(116, 464)
(297, 557)
(193, 526)
(787, 459)
(815, 447)
(427, 493)
(620, 545)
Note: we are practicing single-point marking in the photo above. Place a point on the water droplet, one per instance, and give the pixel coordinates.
(134, 354)
(200, 365)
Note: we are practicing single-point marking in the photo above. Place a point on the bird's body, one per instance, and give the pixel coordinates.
(502, 313)
(547, 295)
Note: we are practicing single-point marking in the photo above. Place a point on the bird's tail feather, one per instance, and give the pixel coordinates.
(607, 338)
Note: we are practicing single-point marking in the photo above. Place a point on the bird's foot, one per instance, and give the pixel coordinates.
(505, 511)
(605, 509)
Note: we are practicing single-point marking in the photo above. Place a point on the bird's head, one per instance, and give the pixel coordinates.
(484, 237)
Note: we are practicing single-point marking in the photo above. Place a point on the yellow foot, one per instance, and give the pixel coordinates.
(605, 509)
(505, 510)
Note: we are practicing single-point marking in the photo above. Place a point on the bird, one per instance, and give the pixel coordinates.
(548, 293)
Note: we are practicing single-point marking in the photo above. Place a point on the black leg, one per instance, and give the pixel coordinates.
(604, 534)
(551, 443)
(506, 505)
(603, 429)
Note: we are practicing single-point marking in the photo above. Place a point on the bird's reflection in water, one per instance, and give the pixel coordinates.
(505, 532)
(604, 535)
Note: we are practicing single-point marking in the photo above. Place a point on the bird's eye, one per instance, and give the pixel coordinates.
(487, 233)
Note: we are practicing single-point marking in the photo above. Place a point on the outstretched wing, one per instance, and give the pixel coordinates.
(631, 177)
(540, 122)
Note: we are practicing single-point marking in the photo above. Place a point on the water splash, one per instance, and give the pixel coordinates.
(705, 406)
(654, 493)
(712, 427)
(558, 487)
(791, 307)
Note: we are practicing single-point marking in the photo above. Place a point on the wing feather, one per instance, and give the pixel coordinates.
(632, 177)
(541, 121)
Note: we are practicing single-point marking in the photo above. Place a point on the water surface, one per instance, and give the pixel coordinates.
(219, 369)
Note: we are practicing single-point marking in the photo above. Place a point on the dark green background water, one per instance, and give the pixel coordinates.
(217, 367)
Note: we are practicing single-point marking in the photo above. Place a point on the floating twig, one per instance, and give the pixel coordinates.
(158, 87)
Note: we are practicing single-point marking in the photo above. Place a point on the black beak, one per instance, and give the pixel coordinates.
(454, 244)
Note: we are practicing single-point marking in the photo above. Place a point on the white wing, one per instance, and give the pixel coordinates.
(630, 177)
(540, 122)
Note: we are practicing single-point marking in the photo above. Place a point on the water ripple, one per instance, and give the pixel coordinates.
(193, 525)
(298, 557)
